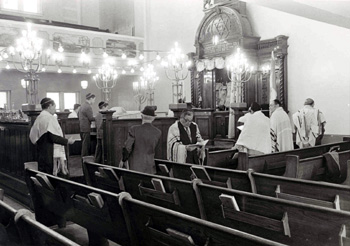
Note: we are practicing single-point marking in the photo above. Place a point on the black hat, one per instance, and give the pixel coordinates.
(77, 105)
(149, 110)
(102, 104)
(89, 95)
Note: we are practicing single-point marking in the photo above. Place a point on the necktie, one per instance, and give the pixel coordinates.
(187, 129)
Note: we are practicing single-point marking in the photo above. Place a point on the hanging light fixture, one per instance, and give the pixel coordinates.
(84, 84)
(106, 79)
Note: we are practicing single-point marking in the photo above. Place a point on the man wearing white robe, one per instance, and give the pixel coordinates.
(281, 129)
(255, 136)
(47, 134)
(309, 124)
(181, 134)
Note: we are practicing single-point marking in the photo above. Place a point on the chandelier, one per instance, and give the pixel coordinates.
(176, 69)
(106, 79)
(149, 79)
(139, 88)
(29, 49)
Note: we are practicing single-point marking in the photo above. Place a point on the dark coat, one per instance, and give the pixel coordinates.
(85, 117)
(141, 144)
(45, 150)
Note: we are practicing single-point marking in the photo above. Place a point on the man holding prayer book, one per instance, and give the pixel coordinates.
(185, 143)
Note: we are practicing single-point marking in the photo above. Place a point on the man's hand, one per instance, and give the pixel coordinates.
(71, 140)
(190, 148)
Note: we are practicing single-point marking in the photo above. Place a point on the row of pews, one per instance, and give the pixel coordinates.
(19, 227)
(203, 205)
(308, 163)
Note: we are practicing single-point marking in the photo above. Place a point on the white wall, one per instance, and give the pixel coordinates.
(169, 21)
(318, 63)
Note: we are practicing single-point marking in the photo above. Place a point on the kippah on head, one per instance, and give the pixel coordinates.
(89, 95)
(102, 104)
(309, 101)
(46, 102)
(255, 107)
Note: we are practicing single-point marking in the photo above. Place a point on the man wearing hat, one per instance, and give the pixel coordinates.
(98, 119)
(85, 118)
(74, 114)
(142, 142)
(309, 124)
(47, 134)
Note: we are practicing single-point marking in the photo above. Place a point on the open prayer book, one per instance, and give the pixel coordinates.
(199, 144)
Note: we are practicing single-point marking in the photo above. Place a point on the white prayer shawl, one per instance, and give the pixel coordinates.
(281, 131)
(256, 133)
(44, 123)
(308, 122)
(176, 150)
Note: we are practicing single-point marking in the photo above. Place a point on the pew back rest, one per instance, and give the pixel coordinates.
(57, 200)
(220, 158)
(176, 170)
(275, 163)
(284, 221)
(159, 226)
(177, 194)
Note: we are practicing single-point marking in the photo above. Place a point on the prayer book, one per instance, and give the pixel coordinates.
(199, 144)
(44, 181)
(229, 201)
(96, 199)
(158, 185)
(179, 235)
(200, 172)
(163, 168)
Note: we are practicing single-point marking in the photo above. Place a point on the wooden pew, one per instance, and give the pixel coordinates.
(167, 192)
(275, 163)
(288, 222)
(312, 168)
(155, 225)
(311, 192)
(18, 227)
(57, 200)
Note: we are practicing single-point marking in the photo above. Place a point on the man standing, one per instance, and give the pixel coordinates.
(85, 118)
(142, 142)
(281, 129)
(74, 114)
(309, 123)
(182, 133)
(47, 134)
(255, 136)
(98, 119)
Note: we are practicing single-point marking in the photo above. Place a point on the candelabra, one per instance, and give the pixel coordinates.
(139, 88)
(29, 49)
(150, 77)
(176, 70)
(106, 79)
(238, 72)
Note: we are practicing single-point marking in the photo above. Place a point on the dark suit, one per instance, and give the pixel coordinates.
(45, 151)
(85, 118)
(141, 144)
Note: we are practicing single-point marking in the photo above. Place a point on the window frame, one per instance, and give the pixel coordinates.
(20, 9)
(8, 98)
(60, 108)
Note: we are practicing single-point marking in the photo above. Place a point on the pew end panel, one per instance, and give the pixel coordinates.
(92, 208)
(159, 226)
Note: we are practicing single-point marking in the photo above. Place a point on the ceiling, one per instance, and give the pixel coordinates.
(328, 11)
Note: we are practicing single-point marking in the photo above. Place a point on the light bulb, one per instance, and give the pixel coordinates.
(74, 70)
(141, 69)
(158, 57)
(60, 49)
(105, 55)
(43, 69)
(89, 71)
(141, 57)
(123, 72)
(132, 70)
(59, 71)
(123, 56)
(7, 66)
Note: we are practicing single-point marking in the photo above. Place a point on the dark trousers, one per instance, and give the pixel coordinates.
(98, 151)
(85, 143)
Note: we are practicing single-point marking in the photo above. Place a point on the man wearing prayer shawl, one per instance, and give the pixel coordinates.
(182, 133)
(309, 124)
(47, 134)
(255, 136)
(281, 129)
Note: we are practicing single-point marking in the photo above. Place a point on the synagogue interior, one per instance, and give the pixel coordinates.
(174, 122)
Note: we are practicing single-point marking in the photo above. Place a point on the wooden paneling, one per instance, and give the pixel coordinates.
(220, 124)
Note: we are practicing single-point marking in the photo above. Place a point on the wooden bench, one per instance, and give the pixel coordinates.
(312, 168)
(166, 192)
(288, 222)
(153, 225)
(18, 227)
(311, 192)
(57, 200)
(275, 163)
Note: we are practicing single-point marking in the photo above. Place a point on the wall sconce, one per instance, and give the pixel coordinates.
(84, 84)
